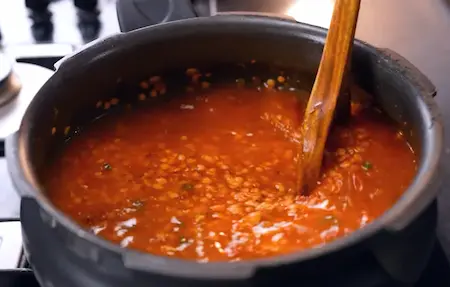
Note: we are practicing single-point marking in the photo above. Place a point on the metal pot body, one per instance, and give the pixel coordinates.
(63, 254)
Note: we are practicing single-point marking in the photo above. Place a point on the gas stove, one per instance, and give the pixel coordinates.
(32, 72)
(14, 268)
(29, 65)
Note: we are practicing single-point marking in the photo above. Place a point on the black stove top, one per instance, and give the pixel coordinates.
(420, 41)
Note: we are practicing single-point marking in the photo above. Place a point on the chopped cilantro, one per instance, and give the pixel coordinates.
(187, 186)
(367, 165)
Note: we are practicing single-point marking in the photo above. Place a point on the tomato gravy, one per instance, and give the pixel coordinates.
(210, 176)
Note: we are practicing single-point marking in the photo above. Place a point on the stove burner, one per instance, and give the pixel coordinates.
(17, 97)
(9, 82)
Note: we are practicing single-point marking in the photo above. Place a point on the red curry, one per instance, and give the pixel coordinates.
(210, 176)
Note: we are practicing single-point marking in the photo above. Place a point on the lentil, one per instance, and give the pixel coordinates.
(155, 79)
(208, 186)
(114, 101)
(205, 85)
(192, 71)
(142, 97)
(144, 85)
(281, 79)
(270, 83)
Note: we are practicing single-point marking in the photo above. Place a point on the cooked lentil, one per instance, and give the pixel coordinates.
(210, 176)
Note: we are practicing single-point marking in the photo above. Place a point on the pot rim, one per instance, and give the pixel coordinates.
(136, 260)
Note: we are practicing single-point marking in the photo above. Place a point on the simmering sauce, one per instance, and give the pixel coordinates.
(210, 176)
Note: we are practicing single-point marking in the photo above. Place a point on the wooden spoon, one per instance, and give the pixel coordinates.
(322, 102)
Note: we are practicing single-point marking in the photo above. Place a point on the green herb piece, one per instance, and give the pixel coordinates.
(106, 166)
(187, 186)
(183, 240)
(137, 203)
(367, 165)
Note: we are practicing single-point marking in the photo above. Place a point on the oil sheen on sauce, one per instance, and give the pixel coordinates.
(210, 176)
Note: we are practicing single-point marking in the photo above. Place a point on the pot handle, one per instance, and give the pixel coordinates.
(97, 49)
(410, 71)
(16, 171)
(393, 250)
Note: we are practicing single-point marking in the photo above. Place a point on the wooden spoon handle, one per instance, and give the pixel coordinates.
(322, 102)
